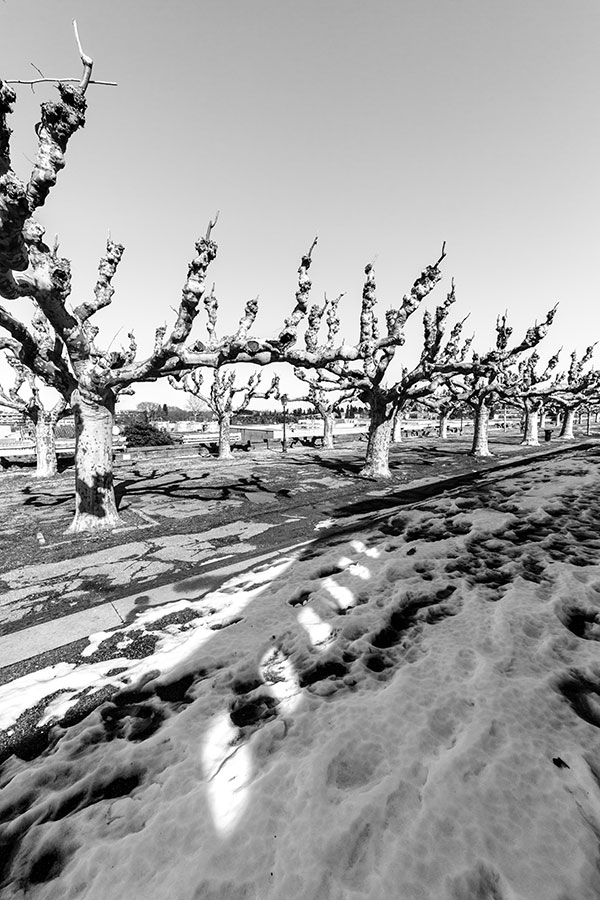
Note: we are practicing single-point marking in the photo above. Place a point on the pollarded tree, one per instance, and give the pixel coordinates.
(479, 382)
(32, 406)
(573, 389)
(224, 397)
(326, 403)
(89, 376)
(400, 424)
(387, 401)
(528, 389)
(443, 403)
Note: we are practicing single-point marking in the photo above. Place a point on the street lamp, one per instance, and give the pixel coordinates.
(284, 403)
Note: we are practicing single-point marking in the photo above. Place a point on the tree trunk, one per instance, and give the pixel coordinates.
(530, 438)
(327, 430)
(566, 431)
(225, 437)
(45, 446)
(95, 506)
(443, 425)
(480, 431)
(378, 446)
(397, 429)
(543, 415)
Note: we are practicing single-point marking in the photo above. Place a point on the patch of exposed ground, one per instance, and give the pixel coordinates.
(182, 514)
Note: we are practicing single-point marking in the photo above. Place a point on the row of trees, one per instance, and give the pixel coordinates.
(61, 347)
(523, 389)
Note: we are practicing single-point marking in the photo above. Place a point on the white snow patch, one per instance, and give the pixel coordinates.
(228, 770)
(324, 523)
(278, 672)
(223, 606)
(361, 547)
(319, 632)
(342, 595)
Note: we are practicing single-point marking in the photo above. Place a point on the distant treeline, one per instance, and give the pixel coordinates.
(148, 412)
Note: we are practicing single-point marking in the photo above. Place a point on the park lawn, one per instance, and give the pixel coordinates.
(406, 709)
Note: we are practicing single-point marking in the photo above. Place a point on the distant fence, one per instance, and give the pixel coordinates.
(251, 438)
(24, 450)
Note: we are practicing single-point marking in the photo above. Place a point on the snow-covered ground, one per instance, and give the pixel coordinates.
(409, 711)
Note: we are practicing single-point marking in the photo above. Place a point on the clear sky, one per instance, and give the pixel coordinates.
(386, 126)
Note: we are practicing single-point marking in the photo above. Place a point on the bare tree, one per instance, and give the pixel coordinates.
(73, 362)
(326, 403)
(444, 404)
(478, 382)
(528, 389)
(90, 377)
(575, 388)
(151, 410)
(224, 397)
(387, 401)
(32, 406)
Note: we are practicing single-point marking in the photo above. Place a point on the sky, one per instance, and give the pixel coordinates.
(385, 127)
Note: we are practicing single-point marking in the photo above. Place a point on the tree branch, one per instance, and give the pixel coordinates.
(289, 332)
(171, 348)
(7, 98)
(247, 320)
(368, 323)
(396, 319)
(103, 291)
(211, 305)
(58, 81)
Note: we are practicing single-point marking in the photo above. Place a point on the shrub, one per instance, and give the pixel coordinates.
(143, 434)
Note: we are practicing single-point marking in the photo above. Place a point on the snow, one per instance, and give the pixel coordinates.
(408, 712)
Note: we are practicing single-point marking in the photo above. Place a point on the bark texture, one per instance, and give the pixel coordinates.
(45, 446)
(95, 506)
(328, 425)
(225, 436)
(378, 446)
(480, 436)
(566, 430)
(531, 438)
(443, 426)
